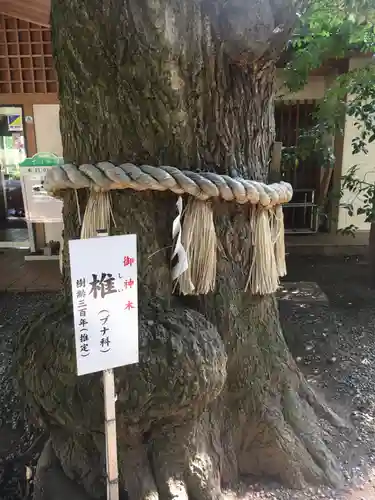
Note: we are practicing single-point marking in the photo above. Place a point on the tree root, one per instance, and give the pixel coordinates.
(181, 463)
(175, 463)
(185, 462)
(16, 473)
(51, 483)
(302, 418)
(181, 435)
(321, 408)
(286, 442)
(138, 477)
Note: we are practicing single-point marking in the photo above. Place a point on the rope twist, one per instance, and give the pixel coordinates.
(104, 176)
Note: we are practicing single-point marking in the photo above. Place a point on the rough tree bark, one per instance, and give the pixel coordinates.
(216, 394)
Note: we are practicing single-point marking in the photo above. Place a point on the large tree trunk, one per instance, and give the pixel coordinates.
(216, 394)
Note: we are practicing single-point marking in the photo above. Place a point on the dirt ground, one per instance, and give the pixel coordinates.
(328, 316)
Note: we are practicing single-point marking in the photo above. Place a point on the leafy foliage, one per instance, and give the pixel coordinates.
(363, 189)
(312, 145)
(358, 84)
(329, 31)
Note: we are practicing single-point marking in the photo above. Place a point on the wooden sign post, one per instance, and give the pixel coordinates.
(275, 165)
(110, 427)
(104, 286)
(110, 434)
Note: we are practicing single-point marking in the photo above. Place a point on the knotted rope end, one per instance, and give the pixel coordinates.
(268, 255)
(198, 238)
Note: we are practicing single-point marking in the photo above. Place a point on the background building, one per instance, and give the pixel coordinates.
(29, 123)
(29, 109)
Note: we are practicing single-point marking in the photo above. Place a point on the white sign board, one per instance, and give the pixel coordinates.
(39, 205)
(105, 302)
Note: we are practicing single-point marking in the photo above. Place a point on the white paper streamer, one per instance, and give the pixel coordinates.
(182, 263)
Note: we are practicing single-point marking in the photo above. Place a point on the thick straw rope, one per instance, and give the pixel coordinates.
(200, 242)
(105, 176)
(97, 215)
(198, 235)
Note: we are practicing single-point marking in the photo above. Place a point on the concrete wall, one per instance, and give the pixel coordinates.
(48, 140)
(365, 162)
(314, 89)
(47, 128)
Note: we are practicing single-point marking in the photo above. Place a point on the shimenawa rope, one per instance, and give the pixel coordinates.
(197, 236)
(105, 176)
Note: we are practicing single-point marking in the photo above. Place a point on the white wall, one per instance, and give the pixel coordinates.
(365, 162)
(48, 140)
(10, 110)
(47, 128)
(314, 89)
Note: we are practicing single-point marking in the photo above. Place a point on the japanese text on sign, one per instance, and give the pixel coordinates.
(105, 302)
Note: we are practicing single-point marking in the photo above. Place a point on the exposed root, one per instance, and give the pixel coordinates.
(168, 451)
(136, 473)
(275, 451)
(205, 459)
(287, 445)
(303, 420)
(51, 482)
(203, 477)
(175, 440)
(321, 408)
(184, 462)
(79, 458)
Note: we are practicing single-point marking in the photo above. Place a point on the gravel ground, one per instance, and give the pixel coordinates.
(16, 435)
(334, 343)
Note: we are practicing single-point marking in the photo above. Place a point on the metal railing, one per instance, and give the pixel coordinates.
(301, 213)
